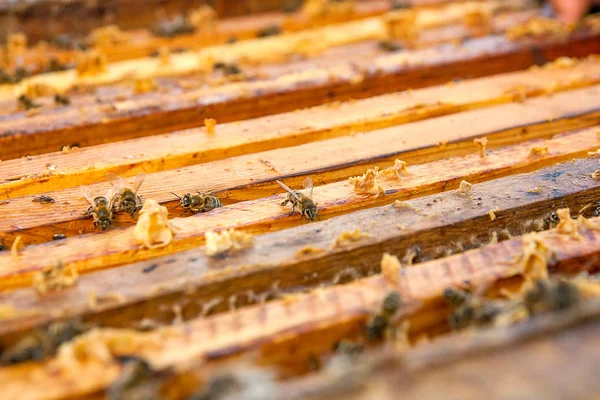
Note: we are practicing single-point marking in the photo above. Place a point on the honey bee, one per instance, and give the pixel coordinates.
(100, 208)
(30, 348)
(456, 297)
(550, 295)
(348, 348)
(126, 197)
(470, 310)
(305, 204)
(376, 327)
(133, 381)
(61, 332)
(391, 304)
(43, 343)
(380, 323)
(201, 202)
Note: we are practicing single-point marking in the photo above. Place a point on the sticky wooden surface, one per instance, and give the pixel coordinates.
(415, 143)
(153, 115)
(141, 42)
(118, 246)
(169, 151)
(445, 224)
(278, 327)
(530, 358)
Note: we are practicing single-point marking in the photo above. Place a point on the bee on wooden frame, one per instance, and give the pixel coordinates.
(305, 204)
(126, 197)
(201, 202)
(100, 208)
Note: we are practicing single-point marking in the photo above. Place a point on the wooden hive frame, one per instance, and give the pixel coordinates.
(423, 181)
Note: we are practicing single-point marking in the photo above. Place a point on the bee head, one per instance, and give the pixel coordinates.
(104, 223)
(129, 205)
(186, 201)
(101, 201)
(311, 212)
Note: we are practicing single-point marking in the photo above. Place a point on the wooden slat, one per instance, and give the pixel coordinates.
(285, 331)
(550, 356)
(445, 224)
(382, 75)
(41, 20)
(140, 43)
(262, 50)
(247, 178)
(30, 175)
(118, 246)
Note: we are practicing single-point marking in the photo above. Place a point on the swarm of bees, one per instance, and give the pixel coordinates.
(121, 197)
(304, 203)
(201, 202)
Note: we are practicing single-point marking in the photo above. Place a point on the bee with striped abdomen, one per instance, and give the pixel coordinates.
(304, 203)
(100, 208)
(201, 202)
(126, 197)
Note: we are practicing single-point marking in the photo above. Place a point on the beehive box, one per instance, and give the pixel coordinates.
(448, 229)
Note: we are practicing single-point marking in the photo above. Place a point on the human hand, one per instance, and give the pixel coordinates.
(572, 10)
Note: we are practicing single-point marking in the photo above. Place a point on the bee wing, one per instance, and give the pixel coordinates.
(87, 194)
(139, 179)
(115, 180)
(308, 184)
(287, 189)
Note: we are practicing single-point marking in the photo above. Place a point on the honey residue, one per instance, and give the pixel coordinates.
(535, 190)
(153, 229)
(91, 63)
(210, 124)
(16, 44)
(596, 175)
(54, 278)
(164, 56)
(367, 183)
(594, 153)
(39, 89)
(306, 250)
(107, 36)
(481, 142)
(478, 18)
(402, 25)
(567, 225)
(221, 242)
(398, 170)
(102, 345)
(402, 204)
(540, 27)
(390, 267)
(538, 151)
(562, 62)
(144, 85)
(321, 8)
(7, 311)
(348, 236)
(465, 188)
(68, 149)
(203, 19)
(536, 254)
(17, 246)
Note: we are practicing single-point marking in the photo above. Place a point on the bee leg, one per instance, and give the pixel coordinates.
(284, 203)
